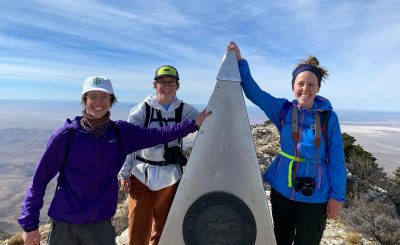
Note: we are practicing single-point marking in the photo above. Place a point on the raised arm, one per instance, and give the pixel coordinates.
(135, 137)
(265, 101)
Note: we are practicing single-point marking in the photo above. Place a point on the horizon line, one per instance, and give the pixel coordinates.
(202, 104)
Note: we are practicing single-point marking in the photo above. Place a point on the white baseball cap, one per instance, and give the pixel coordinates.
(97, 83)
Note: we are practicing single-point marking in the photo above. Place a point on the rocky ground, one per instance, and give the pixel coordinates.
(266, 140)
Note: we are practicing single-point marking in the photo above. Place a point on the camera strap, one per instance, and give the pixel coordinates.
(324, 122)
(295, 127)
(317, 134)
(296, 139)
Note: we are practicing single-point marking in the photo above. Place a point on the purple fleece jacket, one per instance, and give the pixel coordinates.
(88, 190)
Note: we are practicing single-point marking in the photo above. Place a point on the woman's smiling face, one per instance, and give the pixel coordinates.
(97, 103)
(305, 88)
(166, 89)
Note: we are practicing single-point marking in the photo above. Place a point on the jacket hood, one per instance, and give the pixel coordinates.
(153, 102)
(320, 104)
(73, 124)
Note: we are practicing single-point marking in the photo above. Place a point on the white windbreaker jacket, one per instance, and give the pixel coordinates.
(155, 177)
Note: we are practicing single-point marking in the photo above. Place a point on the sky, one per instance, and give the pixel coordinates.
(48, 48)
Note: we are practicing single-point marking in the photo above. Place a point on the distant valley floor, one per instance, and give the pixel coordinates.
(382, 141)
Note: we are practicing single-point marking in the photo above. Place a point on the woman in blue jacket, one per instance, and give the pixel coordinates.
(88, 153)
(308, 177)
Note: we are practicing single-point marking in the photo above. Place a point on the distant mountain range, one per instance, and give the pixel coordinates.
(20, 137)
(52, 114)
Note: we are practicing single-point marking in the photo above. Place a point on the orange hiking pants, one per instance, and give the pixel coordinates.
(148, 211)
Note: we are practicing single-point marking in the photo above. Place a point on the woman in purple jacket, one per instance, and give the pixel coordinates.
(88, 153)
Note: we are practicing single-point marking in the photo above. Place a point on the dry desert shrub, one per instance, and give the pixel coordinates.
(352, 239)
(16, 239)
(372, 219)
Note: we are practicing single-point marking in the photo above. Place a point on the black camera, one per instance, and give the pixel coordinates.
(305, 184)
(174, 155)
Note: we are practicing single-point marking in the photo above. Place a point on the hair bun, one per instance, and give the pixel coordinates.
(312, 60)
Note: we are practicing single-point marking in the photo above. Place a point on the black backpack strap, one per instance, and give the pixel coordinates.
(148, 115)
(282, 114)
(178, 119)
(68, 145)
(178, 113)
(116, 129)
(160, 120)
(64, 163)
(326, 115)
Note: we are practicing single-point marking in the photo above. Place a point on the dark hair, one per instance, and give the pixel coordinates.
(113, 99)
(312, 60)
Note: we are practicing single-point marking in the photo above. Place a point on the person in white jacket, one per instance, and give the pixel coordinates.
(151, 176)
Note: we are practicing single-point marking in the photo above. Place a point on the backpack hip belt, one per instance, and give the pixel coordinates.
(155, 163)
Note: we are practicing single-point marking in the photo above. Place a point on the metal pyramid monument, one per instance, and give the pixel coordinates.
(221, 199)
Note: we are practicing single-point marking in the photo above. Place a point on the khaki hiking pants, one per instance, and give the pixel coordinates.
(148, 211)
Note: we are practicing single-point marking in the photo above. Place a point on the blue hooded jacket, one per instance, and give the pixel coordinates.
(330, 178)
(88, 190)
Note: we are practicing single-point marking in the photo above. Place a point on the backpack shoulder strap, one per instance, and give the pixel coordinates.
(178, 113)
(65, 159)
(116, 129)
(282, 114)
(147, 118)
(160, 121)
(317, 137)
(325, 116)
(295, 124)
(67, 147)
(178, 119)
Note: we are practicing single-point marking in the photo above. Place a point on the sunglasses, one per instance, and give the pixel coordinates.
(166, 83)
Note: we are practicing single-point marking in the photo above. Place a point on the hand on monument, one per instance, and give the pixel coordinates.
(200, 118)
(232, 46)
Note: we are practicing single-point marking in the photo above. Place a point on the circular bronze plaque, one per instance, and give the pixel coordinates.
(219, 218)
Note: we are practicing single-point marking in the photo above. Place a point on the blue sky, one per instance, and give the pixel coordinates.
(48, 48)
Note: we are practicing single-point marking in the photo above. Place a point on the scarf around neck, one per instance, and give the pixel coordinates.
(95, 125)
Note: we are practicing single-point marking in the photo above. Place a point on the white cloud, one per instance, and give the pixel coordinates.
(43, 40)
